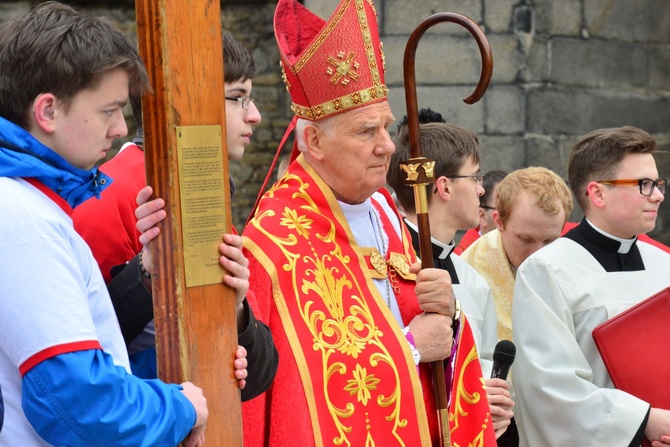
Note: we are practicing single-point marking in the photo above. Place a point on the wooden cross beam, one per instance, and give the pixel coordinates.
(187, 165)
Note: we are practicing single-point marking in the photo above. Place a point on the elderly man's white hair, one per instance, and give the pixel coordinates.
(325, 125)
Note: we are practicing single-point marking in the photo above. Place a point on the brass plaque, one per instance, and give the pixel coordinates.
(203, 202)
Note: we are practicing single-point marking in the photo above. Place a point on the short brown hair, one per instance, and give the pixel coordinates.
(238, 63)
(55, 49)
(598, 155)
(549, 190)
(449, 145)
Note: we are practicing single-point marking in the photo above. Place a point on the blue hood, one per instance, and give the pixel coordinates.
(21, 155)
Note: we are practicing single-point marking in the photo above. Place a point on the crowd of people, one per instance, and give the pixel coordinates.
(343, 336)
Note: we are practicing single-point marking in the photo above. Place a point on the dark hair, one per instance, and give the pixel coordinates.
(238, 63)
(598, 155)
(55, 49)
(449, 145)
(491, 179)
(426, 115)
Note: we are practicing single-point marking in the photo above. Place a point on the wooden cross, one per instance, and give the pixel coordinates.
(187, 165)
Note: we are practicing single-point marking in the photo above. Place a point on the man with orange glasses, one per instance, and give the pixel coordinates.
(566, 289)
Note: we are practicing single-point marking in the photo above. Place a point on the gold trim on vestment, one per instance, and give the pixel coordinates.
(348, 331)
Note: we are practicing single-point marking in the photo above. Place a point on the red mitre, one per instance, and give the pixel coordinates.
(330, 67)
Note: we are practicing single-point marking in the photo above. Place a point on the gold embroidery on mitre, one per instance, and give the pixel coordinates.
(284, 78)
(345, 68)
(383, 55)
(372, 5)
(355, 99)
(324, 35)
(336, 105)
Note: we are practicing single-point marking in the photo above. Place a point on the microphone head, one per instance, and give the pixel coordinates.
(504, 352)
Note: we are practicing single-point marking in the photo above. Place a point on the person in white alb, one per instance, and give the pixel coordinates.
(564, 394)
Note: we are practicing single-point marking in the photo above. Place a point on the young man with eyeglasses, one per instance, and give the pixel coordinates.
(486, 207)
(109, 227)
(453, 201)
(563, 291)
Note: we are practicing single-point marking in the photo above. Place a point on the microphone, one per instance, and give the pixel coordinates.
(503, 357)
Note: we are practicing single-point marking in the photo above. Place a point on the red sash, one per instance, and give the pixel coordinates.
(469, 412)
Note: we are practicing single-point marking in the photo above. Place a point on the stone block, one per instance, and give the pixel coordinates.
(598, 63)
(625, 20)
(558, 18)
(446, 100)
(536, 66)
(659, 65)
(547, 151)
(576, 112)
(505, 109)
(402, 17)
(502, 152)
(498, 15)
(508, 58)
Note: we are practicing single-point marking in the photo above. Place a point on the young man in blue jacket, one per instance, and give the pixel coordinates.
(64, 79)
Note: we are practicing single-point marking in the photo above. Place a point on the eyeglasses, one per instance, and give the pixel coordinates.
(486, 207)
(477, 178)
(646, 185)
(243, 100)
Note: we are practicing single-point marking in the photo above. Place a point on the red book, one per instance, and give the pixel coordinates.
(635, 348)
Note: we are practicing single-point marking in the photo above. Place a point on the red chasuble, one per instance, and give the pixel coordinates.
(346, 374)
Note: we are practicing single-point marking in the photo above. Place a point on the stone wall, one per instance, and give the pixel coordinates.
(561, 69)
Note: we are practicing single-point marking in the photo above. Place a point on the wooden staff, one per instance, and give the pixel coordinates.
(420, 169)
(187, 164)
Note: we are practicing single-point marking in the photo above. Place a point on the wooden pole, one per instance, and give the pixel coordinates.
(186, 162)
(420, 169)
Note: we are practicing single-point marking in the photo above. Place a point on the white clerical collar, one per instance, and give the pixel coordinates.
(446, 249)
(356, 211)
(625, 244)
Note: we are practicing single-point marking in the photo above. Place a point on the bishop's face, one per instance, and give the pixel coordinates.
(353, 156)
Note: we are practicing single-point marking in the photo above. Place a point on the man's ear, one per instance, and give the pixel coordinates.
(313, 136)
(498, 221)
(43, 112)
(481, 214)
(596, 194)
(443, 188)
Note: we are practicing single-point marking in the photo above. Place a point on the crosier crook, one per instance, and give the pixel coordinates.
(420, 169)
